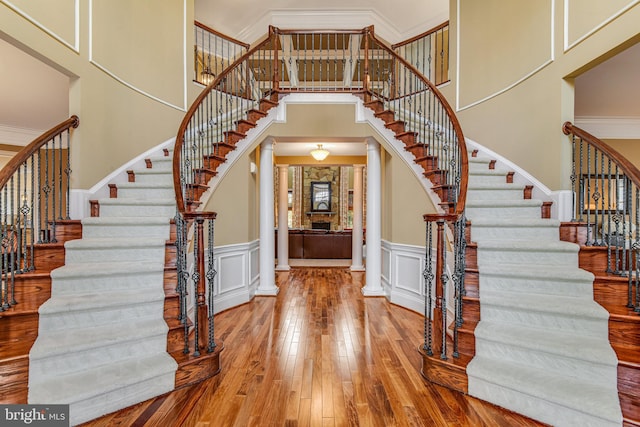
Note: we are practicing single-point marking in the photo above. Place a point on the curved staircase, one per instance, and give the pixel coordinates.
(541, 346)
(102, 339)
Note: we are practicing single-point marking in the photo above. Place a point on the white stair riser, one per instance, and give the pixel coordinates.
(488, 179)
(88, 254)
(98, 316)
(98, 284)
(145, 193)
(119, 210)
(90, 408)
(503, 212)
(154, 177)
(478, 166)
(62, 364)
(537, 407)
(531, 256)
(517, 233)
(109, 402)
(490, 282)
(125, 230)
(548, 362)
(494, 194)
(164, 164)
(593, 327)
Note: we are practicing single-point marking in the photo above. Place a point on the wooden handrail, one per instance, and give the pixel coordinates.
(629, 169)
(187, 118)
(464, 161)
(16, 161)
(419, 36)
(219, 34)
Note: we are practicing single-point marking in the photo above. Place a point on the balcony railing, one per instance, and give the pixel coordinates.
(429, 53)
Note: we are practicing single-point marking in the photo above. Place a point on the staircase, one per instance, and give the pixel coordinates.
(102, 336)
(541, 346)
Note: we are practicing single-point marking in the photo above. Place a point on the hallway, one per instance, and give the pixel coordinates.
(318, 354)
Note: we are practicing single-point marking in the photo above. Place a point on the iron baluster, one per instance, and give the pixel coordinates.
(428, 281)
(443, 278)
(211, 274)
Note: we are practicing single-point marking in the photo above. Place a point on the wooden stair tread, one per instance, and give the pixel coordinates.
(621, 312)
(628, 356)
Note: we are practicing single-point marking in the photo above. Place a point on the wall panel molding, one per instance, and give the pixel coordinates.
(71, 44)
(568, 45)
(236, 276)
(534, 70)
(107, 70)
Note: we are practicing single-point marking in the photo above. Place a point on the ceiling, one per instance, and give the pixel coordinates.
(398, 18)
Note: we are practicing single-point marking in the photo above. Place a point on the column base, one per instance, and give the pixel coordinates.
(285, 267)
(357, 268)
(373, 292)
(267, 292)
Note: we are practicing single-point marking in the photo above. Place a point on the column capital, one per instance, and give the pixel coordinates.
(268, 142)
(372, 143)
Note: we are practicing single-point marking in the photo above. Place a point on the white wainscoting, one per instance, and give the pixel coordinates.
(237, 276)
(403, 279)
(402, 269)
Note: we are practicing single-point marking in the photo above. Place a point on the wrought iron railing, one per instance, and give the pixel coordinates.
(606, 188)
(34, 195)
(428, 52)
(356, 62)
(213, 52)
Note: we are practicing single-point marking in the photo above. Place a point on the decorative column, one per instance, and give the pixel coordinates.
(267, 284)
(373, 285)
(356, 235)
(283, 220)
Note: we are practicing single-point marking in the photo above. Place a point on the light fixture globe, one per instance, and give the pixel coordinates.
(319, 153)
(207, 76)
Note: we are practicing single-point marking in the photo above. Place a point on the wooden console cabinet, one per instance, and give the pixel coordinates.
(318, 244)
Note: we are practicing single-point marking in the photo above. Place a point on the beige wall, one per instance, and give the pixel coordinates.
(126, 68)
(629, 148)
(515, 87)
(234, 201)
(404, 204)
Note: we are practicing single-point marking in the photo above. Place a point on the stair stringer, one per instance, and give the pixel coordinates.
(541, 345)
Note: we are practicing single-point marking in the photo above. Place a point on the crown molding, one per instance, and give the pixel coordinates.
(351, 19)
(610, 127)
(13, 135)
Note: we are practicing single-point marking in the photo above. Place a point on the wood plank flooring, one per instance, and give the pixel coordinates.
(318, 354)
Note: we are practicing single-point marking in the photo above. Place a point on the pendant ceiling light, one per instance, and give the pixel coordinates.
(319, 153)
(207, 76)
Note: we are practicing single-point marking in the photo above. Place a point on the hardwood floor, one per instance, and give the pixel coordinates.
(318, 354)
